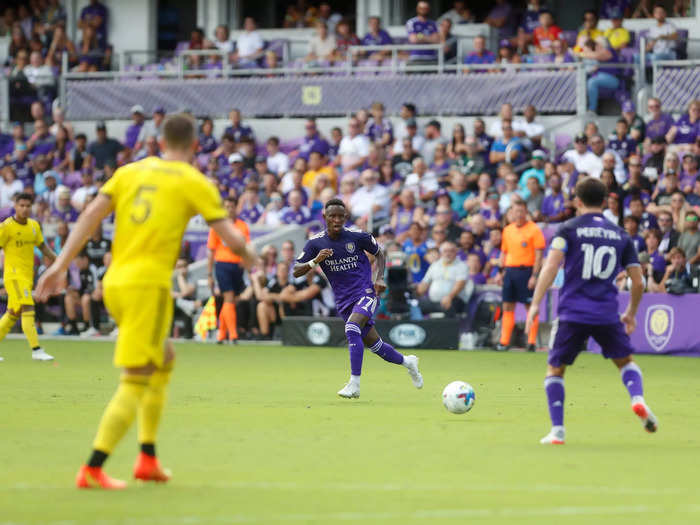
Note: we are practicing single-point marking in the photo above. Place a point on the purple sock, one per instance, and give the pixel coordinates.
(632, 379)
(357, 348)
(387, 352)
(554, 387)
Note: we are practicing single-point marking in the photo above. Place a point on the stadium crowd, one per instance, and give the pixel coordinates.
(439, 197)
(39, 39)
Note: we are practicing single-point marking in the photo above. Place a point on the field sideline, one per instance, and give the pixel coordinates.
(257, 435)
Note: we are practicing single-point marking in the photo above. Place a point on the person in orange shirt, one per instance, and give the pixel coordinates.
(522, 246)
(229, 273)
(546, 33)
(317, 166)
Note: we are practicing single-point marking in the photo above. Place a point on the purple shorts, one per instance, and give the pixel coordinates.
(365, 305)
(570, 339)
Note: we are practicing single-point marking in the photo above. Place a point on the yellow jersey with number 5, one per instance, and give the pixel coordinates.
(153, 200)
(18, 242)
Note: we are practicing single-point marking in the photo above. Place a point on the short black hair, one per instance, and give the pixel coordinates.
(24, 196)
(591, 12)
(334, 202)
(410, 107)
(622, 121)
(592, 192)
(232, 199)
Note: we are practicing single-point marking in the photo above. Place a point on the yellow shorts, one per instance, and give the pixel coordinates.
(19, 293)
(144, 315)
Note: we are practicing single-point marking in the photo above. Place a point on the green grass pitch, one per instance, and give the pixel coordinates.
(258, 435)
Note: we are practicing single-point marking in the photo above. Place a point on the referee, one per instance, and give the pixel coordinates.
(522, 246)
(229, 273)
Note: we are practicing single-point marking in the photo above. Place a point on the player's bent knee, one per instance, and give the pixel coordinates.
(622, 361)
(555, 371)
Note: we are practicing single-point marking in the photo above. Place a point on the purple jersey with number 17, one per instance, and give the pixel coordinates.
(348, 270)
(595, 250)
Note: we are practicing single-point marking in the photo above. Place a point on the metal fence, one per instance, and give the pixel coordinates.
(676, 83)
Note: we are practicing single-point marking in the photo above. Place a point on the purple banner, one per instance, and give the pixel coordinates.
(665, 324)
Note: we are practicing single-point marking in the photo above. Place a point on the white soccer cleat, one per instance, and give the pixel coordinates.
(90, 332)
(115, 332)
(411, 364)
(651, 424)
(555, 437)
(41, 355)
(350, 390)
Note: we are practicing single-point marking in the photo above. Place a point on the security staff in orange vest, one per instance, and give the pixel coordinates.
(522, 246)
(229, 273)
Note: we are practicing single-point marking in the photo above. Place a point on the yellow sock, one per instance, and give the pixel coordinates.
(152, 403)
(120, 412)
(7, 321)
(29, 329)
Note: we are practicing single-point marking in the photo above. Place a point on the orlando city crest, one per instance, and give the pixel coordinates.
(350, 247)
(658, 326)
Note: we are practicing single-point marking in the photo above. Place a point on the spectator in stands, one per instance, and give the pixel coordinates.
(620, 142)
(312, 140)
(322, 45)
(376, 36)
(207, 142)
(456, 145)
(354, 148)
(94, 16)
(150, 149)
(272, 215)
(529, 21)
(134, 130)
(670, 235)
(222, 40)
(502, 19)
(326, 14)
(379, 129)
(560, 53)
(459, 14)
(504, 114)
(277, 161)
(79, 157)
(448, 40)
(60, 43)
(92, 55)
(19, 84)
(62, 153)
(19, 161)
(370, 198)
(608, 159)
(534, 199)
(88, 188)
(689, 241)
(555, 207)
(10, 187)
(7, 21)
(689, 173)
(676, 276)
(484, 140)
(238, 129)
(637, 127)
(41, 142)
(422, 182)
(661, 43)
(316, 167)
(508, 142)
(546, 33)
(686, 129)
(249, 45)
(344, 38)
(422, 30)
(580, 158)
(295, 212)
(40, 76)
(589, 31)
(105, 149)
(433, 138)
(527, 130)
(596, 53)
(535, 171)
(63, 208)
(270, 308)
(59, 121)
(617, 35)
(480, 55)
(153, 128)
(659, 123)
(444, 283)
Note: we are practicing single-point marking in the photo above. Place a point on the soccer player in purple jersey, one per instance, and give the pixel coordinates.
(342, 254)
(593, 251)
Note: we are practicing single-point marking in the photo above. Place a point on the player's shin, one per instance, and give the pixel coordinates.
(7, 321)
(387, 352)
(151, 407)
(353, 332)
(632, 379)
(118, 415)
(507, 326)
(29, 329)
(554, 388)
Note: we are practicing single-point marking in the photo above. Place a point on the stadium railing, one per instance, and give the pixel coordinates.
(676, 83)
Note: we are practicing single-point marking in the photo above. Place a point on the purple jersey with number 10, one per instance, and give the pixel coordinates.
(348, 270)
(595, 250)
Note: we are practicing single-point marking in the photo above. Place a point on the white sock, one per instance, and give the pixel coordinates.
(558, 428)
(638, 399)
(355, 380)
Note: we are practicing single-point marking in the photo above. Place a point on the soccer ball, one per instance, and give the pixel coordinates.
(458, 397)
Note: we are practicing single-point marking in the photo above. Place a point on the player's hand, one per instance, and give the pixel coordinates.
(323, 255)
(532, 281)
(52, 282)
(210, 282)
(498, 279)
(379, 286)
(531, 314)
(446, 302)
(249, 258)
(629, 321)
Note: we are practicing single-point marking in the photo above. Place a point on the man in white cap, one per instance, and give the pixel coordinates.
(536, 172)
(133, 131)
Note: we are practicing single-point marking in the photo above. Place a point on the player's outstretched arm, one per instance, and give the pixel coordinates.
(53, 280)
(379, 267)
(234, 240)
(545, 280)
(636, 292)
(304, 268)
(47, 252)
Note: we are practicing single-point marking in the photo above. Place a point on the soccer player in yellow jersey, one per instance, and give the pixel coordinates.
(18, 237)
(153, 201)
